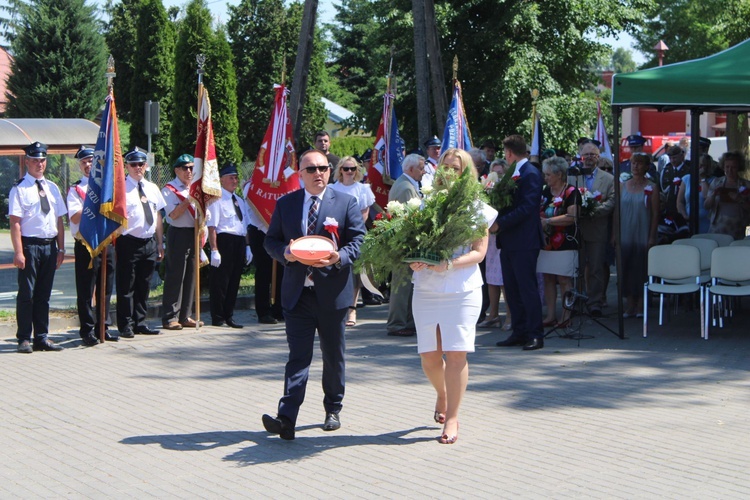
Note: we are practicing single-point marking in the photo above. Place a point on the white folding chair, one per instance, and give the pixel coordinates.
(705, 246)
(730, 277)
(724, 240)
(672, 270)
(740, 243)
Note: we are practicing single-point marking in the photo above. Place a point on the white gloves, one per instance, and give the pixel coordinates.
(203, 256)
(248, 255)
(215, 258)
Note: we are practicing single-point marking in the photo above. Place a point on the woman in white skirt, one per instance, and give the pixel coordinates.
(347, 176)
(446, 305)
(558, 260)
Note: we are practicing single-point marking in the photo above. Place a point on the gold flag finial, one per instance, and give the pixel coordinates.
(110, 74)
(535, 94)
(455, 67)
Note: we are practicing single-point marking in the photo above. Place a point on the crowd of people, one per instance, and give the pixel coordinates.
(556, 233)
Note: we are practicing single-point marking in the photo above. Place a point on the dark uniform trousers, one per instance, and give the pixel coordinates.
(263, 276)
(179, 276)
(225, 279)
(87, 281)
(136, 260)
(34, 287)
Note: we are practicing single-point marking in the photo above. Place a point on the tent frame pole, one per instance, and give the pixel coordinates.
(616, 113)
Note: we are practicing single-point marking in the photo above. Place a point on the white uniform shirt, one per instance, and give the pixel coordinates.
(24, 202)
(186, 219)
(430, 167)
(75, 202)
(361, 192)
(136, 216)
(222, 216)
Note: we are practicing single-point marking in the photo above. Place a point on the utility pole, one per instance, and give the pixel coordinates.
(302, 66)
(421, 73)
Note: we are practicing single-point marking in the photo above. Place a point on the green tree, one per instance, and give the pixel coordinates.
(154, 67)
(524, 44)
(692, 28)
(121, 34)
(622, 61)
(197, 37)
(59, 61)
(8, 20)
(257, 30)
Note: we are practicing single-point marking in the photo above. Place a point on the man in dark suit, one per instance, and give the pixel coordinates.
(315, 297)
(519, 235)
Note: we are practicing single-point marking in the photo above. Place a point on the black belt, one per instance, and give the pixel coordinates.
(30, 240)
(181, 228)
(134, 238)
(308, 288)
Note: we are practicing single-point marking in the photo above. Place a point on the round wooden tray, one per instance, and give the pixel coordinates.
(311, 249)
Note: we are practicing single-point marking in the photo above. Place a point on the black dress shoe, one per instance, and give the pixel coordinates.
(372, 301)
(404, 332)
(267, 319)
(279, 425)
(332, 423)
(25, 347)
(89, 340)
(111, 337)
(596, 313)
(217, 323)
(145, 330)
(511, 341)
(534, 344)
(127, 334)
(231, 323)
(47, 345)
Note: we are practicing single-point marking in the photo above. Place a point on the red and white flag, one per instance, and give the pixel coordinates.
(205, 187)
(275, 172)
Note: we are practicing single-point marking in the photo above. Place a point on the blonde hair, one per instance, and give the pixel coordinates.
(358, 174)
(464, 158)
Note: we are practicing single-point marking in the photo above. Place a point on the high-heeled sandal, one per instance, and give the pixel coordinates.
(439, 417)
(351, 319)
(446, 439)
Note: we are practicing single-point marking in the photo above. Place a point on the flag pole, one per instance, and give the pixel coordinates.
(201, 60)
(102, 305)
(274, 262)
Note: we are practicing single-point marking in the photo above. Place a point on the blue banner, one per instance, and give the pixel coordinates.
(456, 133)
(104, 211)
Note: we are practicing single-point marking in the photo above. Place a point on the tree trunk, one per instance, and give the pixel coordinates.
(439, 96)
(737, 132)
(302, 67)
(421, 72)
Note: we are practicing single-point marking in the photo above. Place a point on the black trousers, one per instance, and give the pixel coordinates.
(136, 261)
(225, 279)
(35, 287)
(264, 275)
(301, 323)
(87, 281)
(179, 276)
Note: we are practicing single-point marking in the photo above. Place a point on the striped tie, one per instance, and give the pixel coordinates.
(312, 220)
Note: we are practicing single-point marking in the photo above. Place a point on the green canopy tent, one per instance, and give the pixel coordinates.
(718, 83)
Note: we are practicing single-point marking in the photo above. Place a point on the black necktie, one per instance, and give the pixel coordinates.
(312, 221)
(237, 209)
(146, 207)
(43, 201)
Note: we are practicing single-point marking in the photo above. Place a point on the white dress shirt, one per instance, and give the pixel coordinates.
(75, 202)
(136, 216)
(222, 216)
(24, 202)
(187, 219)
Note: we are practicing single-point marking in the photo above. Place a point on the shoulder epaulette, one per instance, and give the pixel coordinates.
(77, 182)
(19, 181)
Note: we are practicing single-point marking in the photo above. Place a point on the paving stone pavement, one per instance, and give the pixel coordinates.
(178, 416)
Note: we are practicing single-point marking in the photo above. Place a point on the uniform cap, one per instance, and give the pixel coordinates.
(36, 150)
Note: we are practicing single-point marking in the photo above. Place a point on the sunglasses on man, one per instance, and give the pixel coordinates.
(319, 168)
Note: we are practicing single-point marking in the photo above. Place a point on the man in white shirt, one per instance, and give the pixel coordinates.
(35, 210)
(230, 249)
(88, 272)
(179, 268)
(432, 148)
(139, 247)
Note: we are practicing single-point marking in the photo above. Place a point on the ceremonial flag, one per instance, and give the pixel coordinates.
(601, 133)
(275, 172)
(104, 214)
(537, 138)
(205, 187)
(456, 133)
(387, 154)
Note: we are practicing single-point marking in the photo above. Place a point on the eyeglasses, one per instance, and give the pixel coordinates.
(320, 168)
(348, 169)
(139, 164)
(185, 167)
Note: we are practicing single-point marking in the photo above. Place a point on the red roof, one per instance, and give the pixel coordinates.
(4, 72)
